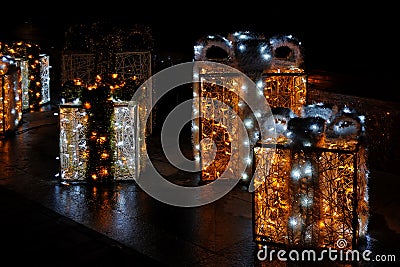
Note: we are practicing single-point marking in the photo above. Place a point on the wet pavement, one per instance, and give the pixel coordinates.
(44, 222)
(121, 212)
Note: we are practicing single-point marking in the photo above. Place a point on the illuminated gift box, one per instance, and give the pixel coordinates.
(35, 73)
(128, 142)
(311, 182)
(10, 95)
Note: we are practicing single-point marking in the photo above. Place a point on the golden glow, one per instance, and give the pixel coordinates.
(10, 102)
(214, 128)
(102, 139)
(296, 206)
(87, 105)
(78, 82)
(285, 88)
(128, 142)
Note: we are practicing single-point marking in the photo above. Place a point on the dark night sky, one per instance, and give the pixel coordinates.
(335, 36)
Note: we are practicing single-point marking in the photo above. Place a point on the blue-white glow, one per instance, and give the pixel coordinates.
(296, 174)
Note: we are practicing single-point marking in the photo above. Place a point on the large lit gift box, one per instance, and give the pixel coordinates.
(102, 132)
(275, 67)
(311, 179)
(34, 69)
(10, 95)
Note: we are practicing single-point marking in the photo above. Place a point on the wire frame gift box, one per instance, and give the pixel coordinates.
(10, 95)
(128, 142)
(311, 182)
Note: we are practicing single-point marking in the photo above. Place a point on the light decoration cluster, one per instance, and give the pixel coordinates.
(246, 51)
(278, 75)
(24, 67)
(128, 65)
(10, 95)
(221, 118)
(215, 128)
(285, 88)
(311, 179)
(35, 74)
(45, 78)
(285, 82)
(382, 120)
(127, 142)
